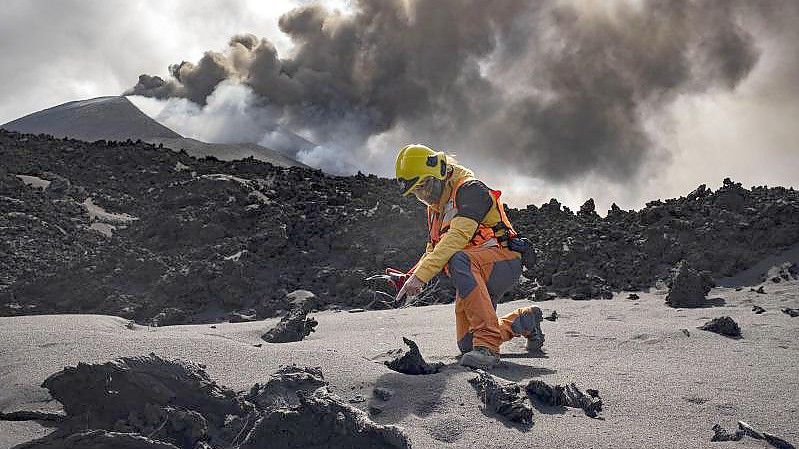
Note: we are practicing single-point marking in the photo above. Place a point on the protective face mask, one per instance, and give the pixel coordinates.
(429, 192)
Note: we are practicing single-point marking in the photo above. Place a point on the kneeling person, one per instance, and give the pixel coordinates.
(468, 238)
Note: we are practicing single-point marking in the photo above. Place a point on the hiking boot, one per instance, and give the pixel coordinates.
(535, 343)
(532, 328)
(480, 357)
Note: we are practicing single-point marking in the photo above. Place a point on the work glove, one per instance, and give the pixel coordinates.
(412, 287)
(396, 278)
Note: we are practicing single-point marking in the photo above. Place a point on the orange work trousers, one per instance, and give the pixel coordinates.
(481, 276)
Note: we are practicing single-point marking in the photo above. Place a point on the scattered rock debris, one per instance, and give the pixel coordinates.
(686, 332)
(633, 296)
(153, 403)
(724, 326)
(504, 399)
(541, 294)
(783, 272)
(689, 288)
(553, 316)
(789, 311)
(744, 429)
(292, 327)
(758, 310)
(569, 396)
(759, 290)
(412, 362)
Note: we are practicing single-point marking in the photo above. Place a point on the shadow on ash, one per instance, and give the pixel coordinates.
(151, 403)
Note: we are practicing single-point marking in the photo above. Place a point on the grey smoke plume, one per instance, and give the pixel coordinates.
(561, 89)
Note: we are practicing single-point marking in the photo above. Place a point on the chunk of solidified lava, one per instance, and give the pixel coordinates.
(724, 326)
(689, 288)
(282, 388)
(773, 440)
(722, 434)
(505, 400)
(171, 401)
(552, 317)
(96, 439)
(152, 403)
(384, 394)
(758, 310)
(744, 429)
(292, 327)
(569, 396)
(412, 361)
(792, 312)
(322, 421)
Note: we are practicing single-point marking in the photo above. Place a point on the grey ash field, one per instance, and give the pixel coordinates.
(661, 387)
(122, 249)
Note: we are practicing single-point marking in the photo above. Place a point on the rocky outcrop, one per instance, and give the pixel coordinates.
(689, 288)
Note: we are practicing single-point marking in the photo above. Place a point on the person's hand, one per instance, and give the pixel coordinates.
(412, 287)
(397, 278)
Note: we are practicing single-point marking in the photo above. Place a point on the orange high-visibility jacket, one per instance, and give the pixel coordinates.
(450, 232)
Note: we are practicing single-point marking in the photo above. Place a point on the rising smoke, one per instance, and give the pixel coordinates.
(558, 90)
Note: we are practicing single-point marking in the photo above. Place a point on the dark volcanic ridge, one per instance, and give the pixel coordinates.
(130, 229)
(117, 118)
(110, 118)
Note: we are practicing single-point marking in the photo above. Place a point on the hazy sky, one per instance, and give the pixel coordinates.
(622, 100)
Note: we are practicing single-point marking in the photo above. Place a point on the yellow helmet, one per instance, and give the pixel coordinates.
(415, 163)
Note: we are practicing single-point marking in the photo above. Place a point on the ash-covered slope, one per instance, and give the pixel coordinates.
(142, 232)
(117, 118)
(102, 118)
(226, 151)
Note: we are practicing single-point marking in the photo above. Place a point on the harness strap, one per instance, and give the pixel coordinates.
(483, 235)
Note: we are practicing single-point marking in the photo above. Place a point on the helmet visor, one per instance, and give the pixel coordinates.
(428, 191)
(406, 185)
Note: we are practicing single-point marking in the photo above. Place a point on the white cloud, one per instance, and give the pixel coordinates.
(53, 52)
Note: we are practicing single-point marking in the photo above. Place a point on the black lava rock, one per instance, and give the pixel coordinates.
(689, 287)
(724, 326)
